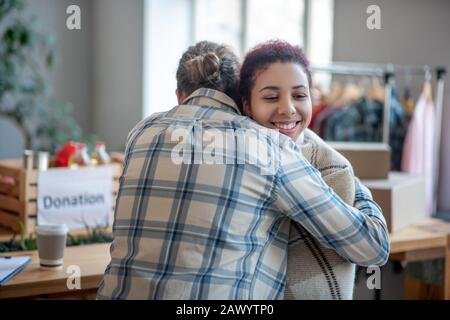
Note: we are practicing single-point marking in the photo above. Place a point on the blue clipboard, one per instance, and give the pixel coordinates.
(10, 266)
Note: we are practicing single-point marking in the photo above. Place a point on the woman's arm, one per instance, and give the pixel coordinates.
(359, 233)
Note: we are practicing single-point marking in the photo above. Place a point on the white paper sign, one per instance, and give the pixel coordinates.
(77, 198)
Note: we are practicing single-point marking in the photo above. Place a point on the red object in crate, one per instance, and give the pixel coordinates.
(65, 153)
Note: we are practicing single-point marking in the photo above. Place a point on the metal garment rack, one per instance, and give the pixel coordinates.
(388, 73)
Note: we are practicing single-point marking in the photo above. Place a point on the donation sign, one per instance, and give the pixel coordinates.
(77, 198)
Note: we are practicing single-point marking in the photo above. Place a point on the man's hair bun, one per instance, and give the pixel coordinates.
(208, 65)
(203, 68)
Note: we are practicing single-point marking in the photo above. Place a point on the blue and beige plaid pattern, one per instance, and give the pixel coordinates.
(201, 231)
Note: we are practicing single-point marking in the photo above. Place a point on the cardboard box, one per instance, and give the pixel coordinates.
(369, 160)
(401, 197)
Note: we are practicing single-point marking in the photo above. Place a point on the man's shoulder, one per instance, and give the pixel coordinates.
(144, 122)
(144, 125)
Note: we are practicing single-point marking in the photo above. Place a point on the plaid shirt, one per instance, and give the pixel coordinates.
(196, 230)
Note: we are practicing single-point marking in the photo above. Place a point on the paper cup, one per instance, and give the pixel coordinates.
(51, 241)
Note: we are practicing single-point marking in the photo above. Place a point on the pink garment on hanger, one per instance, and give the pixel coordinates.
(418, 149)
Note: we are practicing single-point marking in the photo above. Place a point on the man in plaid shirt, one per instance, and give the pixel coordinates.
(197, 229)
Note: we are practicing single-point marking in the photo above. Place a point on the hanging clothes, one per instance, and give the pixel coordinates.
(399, 121)
(363, 122)
(320, 119)
(357, 122)
(407, 101)
(316, 110)
(418, 152)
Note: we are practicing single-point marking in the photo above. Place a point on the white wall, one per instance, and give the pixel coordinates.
(413, 32)
(117, 69)
(99, 68)
(166, 37)
(70, 77)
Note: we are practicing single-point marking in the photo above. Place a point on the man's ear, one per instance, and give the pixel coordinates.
(180, 96)
(247, 109)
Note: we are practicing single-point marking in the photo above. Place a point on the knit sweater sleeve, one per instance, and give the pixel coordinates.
(359, 234)
(343, 183)
(335, 169)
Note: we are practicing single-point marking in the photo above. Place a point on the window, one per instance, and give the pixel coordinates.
(268, 19)
(167, 34)
(171, 26)
(218, 21)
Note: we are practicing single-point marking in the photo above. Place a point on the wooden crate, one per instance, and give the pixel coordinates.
(18, 194)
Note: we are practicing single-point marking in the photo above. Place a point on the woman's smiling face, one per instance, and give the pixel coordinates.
(280, 99)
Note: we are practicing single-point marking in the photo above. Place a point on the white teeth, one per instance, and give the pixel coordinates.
(285, 126)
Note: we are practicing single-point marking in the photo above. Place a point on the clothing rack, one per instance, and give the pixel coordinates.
(388, 73)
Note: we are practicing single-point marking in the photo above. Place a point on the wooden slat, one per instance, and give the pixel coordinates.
(14, 173)
(29, 189)
(31, 192)
(10, 220)
(32, 176)
(32, 207)
(10, 190)
(12, 163)
(11, 204)
(9, 170)
(5, 234)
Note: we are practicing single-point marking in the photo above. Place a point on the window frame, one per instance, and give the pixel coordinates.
(150, 104)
